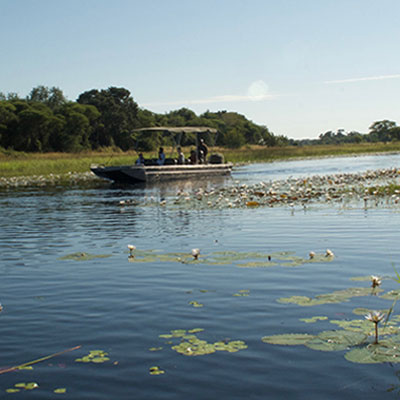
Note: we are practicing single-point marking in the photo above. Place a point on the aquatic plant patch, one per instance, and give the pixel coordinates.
(238, 259)
(338, 296)
(191, 345)
(22, 386)
(79, 256)
(354, 337)
(94, 356)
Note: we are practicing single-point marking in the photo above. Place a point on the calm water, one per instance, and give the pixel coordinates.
(122, 307)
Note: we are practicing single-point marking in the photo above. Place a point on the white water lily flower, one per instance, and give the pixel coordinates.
(375, 317)
(195, 253)
(131, 248)
(375, 281)
(329, 253)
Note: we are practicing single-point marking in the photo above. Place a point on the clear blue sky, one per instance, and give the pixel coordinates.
(300, 67)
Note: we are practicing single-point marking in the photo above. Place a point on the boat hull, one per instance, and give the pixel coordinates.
(139, 173)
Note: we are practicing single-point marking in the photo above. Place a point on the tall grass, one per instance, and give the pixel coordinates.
(27, 164)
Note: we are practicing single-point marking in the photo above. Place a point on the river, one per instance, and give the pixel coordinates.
(67, 280)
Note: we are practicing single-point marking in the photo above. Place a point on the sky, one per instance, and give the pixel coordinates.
(299, 67)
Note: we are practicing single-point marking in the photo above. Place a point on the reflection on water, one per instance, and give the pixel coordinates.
(121, 308)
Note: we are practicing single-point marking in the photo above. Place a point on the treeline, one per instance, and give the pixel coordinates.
(46, 121)
(380, 131)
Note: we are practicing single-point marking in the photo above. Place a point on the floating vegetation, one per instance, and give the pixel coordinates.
(195, 304)
(288, 339)
(94, 356)
(313, 319)
(22, 385)
(336, 340)
(239, 259)
(242, 293)
(156, 371)
(392, 295)
(338, 296)
(191, 345)
(353, 338)
(367, 189)
(155, 348)
(83, 256)
(60, 390)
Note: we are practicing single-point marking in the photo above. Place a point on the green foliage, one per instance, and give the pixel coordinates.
(45, 121)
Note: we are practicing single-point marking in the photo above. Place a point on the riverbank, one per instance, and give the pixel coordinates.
(41, 169)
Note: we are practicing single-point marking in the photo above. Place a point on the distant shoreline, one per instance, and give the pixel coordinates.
(50, 169)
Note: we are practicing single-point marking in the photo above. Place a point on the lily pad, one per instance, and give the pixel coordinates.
(288, 339)
(195, 304)
(60, 390)
(94, 356)
(336, 340)
(382, 352)
(313, 319)
(191, 345)
(156, 371)
(83, 256)
(338, 296)
(392, 295)
(155, 348)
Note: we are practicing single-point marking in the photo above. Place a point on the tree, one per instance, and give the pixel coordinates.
(118, 116)
(380, 131)
(52, 97)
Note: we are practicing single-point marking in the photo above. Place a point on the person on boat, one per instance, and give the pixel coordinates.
(193, 157)
(181, 156)
(161, 157)
(202, 151)
(140, 160)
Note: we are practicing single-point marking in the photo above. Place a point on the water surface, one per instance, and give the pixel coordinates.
(122, 307)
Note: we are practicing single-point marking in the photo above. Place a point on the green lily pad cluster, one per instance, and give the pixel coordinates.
(242, 293)
(239, 259)
(155, 348)
(313, 319)
(83, 256)
(60, 390)
(195, 304)
(354, 338)
(191, 345)
(156, 371)
(94, 356)
(338, 296)
(22, 386)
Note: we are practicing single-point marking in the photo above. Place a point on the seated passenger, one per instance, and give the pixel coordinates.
(202, 152)
(193, 157)
(161, 157)
(140, 160)
(181, 156)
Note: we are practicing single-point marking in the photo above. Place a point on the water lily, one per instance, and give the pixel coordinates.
(375, 281)
(131, 248)
(375, 317)
(195, 253)
(329, 253)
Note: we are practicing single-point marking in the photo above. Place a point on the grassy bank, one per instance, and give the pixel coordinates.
(14, 164)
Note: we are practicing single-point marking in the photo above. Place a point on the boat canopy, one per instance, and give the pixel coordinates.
(178, 129)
